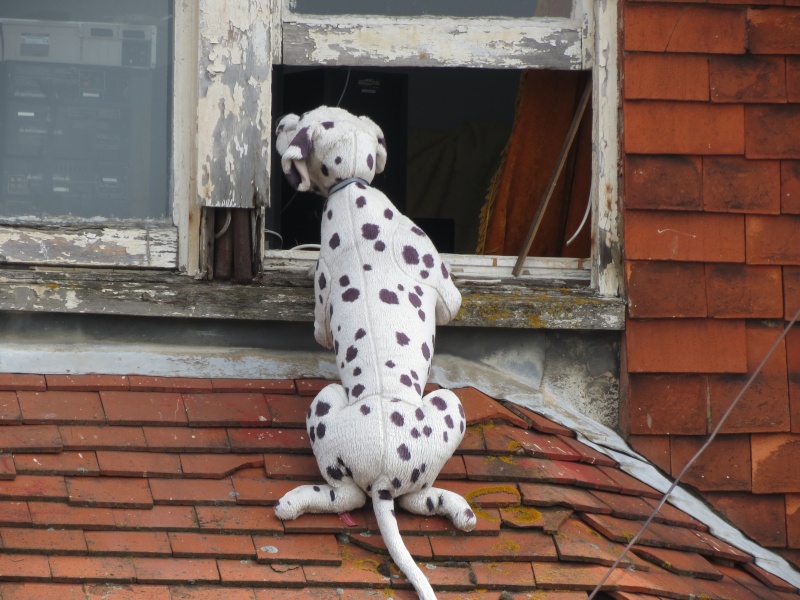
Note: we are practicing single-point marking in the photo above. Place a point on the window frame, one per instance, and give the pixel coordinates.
(590, 298)
(160, 244)
(586, 41)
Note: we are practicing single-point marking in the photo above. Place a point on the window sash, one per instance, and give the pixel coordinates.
(99, 242)
(586, 41)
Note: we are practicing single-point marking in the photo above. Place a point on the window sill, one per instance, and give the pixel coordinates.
(288, 297)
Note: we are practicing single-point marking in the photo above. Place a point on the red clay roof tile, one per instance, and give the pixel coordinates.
(56, 541)
(483, 495)
(61, 407)
(44, 591)
(22, 382)
(128, 543)
(328, 523)
(538, 494)
(508, 439)
(442, 577)
(172, 518)
(271, 386)
(548, 520)
(288, 411)
(269, 440)
(87, 383)
(311, 387)
(253, 519)
(186, 439)
(169, 384)
(65, 463)
(226, 409)
(300, 549)
(24, 567)
(9, 408)
(682, 563)
(14, 513)
(503, 575)
(419, 546)
(175, 570)
(111, 492)
(473, 442)
(250, 572)
(217, 466)
(168, 495)
(101, 437)
(198, 545)
(578, 542)
(193, 491)
(92, 569)
(34, 487)
(138, 464)
(253, 487)
(587, 454)
(481, 408)
(8, 468)
(542, 424)
(56, 514)
(30, 438)
(143, 408)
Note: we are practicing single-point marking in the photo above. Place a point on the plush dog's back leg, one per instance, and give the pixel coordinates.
(320, 498)
(436, 501)
(383, 505)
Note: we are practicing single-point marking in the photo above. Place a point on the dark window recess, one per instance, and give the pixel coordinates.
(445, 131)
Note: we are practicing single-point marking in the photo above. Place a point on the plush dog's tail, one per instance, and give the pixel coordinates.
(383, 505)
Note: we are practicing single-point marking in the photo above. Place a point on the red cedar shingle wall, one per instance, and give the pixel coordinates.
(711, 105)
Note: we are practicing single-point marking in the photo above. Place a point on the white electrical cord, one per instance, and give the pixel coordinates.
(585, 216)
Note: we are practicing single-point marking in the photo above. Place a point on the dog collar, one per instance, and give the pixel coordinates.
(344, 183)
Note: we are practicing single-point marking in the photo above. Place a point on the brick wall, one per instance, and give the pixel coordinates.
(711, 120)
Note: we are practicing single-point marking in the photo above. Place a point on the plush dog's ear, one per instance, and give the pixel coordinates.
(380, 158)
(285, 131)
(293, 158)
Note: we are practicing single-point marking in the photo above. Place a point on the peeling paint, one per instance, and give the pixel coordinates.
(106, 246)
(233, 119)
(547, 43)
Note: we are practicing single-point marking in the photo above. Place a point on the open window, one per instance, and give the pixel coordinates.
(448, 81)
(85, 124)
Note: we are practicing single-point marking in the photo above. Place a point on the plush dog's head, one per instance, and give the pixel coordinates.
(327, 145)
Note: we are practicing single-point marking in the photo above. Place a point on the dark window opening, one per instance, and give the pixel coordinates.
(453, 134)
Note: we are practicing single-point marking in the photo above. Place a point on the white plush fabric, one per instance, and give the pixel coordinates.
(381, 288)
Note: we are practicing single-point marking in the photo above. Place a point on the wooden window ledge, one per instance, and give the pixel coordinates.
(282, 296)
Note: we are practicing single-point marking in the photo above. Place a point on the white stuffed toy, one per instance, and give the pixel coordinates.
(381, 288)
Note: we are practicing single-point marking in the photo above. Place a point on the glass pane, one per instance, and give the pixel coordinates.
(451, 8)
(84, 97)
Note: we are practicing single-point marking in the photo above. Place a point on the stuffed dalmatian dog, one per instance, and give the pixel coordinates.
(381, 288)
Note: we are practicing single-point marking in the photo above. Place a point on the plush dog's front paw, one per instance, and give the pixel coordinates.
(465, 519)
(286, 509)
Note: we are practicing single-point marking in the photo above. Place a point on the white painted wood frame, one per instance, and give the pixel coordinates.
(587, 41)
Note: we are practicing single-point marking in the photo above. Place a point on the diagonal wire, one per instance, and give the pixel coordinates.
(702, 449)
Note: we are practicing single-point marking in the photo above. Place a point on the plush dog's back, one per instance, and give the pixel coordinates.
(383, 280)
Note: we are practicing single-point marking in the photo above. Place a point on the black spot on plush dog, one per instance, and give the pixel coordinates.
(381, 288)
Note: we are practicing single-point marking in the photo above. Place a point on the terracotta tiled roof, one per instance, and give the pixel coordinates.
(156, 488)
